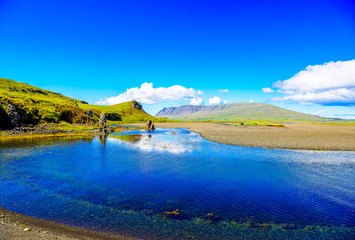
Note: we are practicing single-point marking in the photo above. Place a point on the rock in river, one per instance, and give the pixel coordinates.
(102, 122)
(149, 126)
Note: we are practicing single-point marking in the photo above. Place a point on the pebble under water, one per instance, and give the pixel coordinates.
(172, 184)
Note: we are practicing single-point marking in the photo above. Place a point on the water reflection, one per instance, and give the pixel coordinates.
(103, 139)
(161, 140)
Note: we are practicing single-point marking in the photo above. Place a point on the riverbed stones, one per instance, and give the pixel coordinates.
(149, 126)
(102, 121)
(13, 116)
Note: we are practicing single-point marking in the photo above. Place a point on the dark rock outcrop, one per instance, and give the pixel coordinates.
(149, 126)
(3, 118)
(37, 91)
(136, 105)
(102, 121)
(88, 112)
(13, 116)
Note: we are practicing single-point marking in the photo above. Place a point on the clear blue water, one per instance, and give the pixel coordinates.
(131, 183)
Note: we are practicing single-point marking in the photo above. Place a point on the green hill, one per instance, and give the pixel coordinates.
(239, 112)
(35, 105)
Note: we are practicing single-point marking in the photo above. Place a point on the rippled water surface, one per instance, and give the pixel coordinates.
(172, 184)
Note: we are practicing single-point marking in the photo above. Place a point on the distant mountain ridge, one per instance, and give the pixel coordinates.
(238, 111)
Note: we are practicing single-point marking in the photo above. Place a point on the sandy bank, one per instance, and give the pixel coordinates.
(292, 136)
(18, 226)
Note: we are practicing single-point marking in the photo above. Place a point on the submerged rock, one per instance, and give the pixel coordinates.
(212, 218)
(149, 126)
(176, 214)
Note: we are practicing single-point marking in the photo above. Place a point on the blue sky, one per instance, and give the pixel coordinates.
(97, 50)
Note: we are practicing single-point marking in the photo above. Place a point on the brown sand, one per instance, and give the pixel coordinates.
(292, 136)
(18, 226)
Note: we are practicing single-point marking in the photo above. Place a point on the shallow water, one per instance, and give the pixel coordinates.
(172, 184)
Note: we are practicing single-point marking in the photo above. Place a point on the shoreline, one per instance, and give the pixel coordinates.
(19, 226)
(42, 131)
(292, 136)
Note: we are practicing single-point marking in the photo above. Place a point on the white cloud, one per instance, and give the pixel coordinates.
(345, 116)
(196, 101)
(223, 90)
(268, 90)
(251, 101)
(149, 95)
(332, 83)
(215, 100)
(225, 102)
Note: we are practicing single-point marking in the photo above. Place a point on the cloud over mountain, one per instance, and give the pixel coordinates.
(215, 100)
(146, 93)
(196, 101)
(332, 83)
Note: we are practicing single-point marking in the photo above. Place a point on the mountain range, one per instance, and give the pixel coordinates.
(242, 111)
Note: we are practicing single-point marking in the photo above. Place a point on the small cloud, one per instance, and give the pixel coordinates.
(150, 95)
(223, 90)
(345, 116)
(196, 101)
(215, 100)
(277, 99)
(225, 102)
(330, 84)
(268, 90)
(251, 101)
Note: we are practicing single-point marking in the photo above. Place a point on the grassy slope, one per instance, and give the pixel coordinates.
(236, 112)
(36, 105)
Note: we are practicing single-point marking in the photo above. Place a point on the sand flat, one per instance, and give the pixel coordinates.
(292, 136)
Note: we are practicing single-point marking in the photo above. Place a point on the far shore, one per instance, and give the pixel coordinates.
(292, 136)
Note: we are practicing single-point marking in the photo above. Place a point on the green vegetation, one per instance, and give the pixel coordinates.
(260, 123)
(39, 106)
(65, 126)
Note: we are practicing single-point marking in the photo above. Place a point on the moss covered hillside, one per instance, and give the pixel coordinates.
(35, 106)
